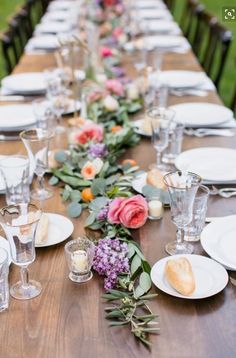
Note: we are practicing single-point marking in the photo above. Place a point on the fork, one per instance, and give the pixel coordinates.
(224, 192)
(202, 132)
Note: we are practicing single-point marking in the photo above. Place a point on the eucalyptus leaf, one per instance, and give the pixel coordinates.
(75, 196)
(61, 156)
(65, 195)
(98, 203)
(138, 291)
(150, 191)
(145, 281)
(53, 180)
(146, 267)
(74, 210)
(135, 264)
(131, 250)
(90, 219)
(98, 186)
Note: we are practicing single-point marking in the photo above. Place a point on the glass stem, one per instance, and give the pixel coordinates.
(40, 180)
(179, 236)
(158, 159)
(24, 274)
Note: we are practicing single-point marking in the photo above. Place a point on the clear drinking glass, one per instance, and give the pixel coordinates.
(37, 142)
(43, 112)
(80, 254)
(15, 172)
(20, 223)
(176, 131)
(182, 188)
(4, 287)
(160, 119)
(193, 231)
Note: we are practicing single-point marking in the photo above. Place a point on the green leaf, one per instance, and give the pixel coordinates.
(135, 264)
(61, 156)
(75, 196)
(150, 191)
(146, 267)
(131, 250)
(74, 210)
(65, 194)
(98, 186)
(138, 291)
(53, 180)
(145, 282)
(98, 203)
(90, 219)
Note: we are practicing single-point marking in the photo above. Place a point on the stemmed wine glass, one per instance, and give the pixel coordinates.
(160, 119)
(182, 188)
(37, 142)
(20, 223)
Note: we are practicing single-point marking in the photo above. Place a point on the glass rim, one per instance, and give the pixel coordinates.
(4, 251)
(22, 225)
(205, 189)
(12, 156)
(179, 171)
(47, 134)
(160, 109)
(74, 241)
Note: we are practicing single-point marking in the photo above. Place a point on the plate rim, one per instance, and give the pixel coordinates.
(9, 258)
(16, 75)
(204, 239)
(178, 295)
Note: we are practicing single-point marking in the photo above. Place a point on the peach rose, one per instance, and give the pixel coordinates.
(88, 171)
(90, 132)
(115, 86)
(132, 212)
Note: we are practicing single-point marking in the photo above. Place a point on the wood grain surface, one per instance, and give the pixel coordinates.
(67, 319)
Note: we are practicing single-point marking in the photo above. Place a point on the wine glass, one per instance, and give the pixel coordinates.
(182, 188)
(37, 142)
(20, 223)
(160, 119)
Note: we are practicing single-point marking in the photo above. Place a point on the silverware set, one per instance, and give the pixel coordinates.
(188, 92)
(223, 192)
(203, 132)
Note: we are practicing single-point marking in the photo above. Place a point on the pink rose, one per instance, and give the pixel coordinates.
(106, 51)
(117, 32)
(115, 87)
(132, 212)
(90, 132)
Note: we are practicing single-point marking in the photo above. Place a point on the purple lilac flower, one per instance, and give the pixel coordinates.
(98, 150)
(102, 215)
(118, 71)
(111, 259)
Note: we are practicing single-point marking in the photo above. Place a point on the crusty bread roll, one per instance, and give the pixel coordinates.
(180, 276)
(155, 178)
(42, 230)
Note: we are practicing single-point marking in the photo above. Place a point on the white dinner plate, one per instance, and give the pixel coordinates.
(218, 239)
(201, 114)
(181, 79)
(161, 26)
(71, 107)
(58, 15)
(46, 42)
(139, 182)
(60, 228)
(62, 5)
(25, 83)
(210, 277)
(16, 117)
(5, 245)
(138, 128)
(149, 4)
(211, 163)
(163, 41)
(53, 27)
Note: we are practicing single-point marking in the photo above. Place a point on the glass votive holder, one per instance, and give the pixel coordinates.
(79, 254)
(155, 208)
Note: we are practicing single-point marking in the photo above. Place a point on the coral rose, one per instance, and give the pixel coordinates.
(90, 132)
(88, 171)
(132, 212)
(115, 87)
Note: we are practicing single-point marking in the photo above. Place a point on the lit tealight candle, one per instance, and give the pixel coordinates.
(80, 261)
(155, 209)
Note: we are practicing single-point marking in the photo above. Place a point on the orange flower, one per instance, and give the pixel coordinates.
(116, 129)
(87, 194)
(132, 162)
(88, 171)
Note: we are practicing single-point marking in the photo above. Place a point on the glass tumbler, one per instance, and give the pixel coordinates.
(80, 254)
(4, 288)
(15, 172)
(176, 132)
(193, 231)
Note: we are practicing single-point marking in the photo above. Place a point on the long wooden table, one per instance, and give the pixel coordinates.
(67, 319)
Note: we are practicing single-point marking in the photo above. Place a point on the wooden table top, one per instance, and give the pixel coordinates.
(67, 319)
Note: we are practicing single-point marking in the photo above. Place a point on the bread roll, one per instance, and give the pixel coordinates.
(180, 276)
(155, 178)
(42, 230)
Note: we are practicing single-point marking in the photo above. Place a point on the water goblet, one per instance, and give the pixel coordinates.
(37, 142)
(43, 112)
(19, 223)
(182, 188)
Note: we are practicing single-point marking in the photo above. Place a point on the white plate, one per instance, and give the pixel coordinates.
(71, 107)
(181, 79)
(25, 83)
(46, 42)
(211, 163)
(53, 27)
(218, 239)
(16, 117)
(201, 114)
(5, 245)
(210, 277)
(62, 5)
(2, 184)
(156, 14)
(138, 128)
(161, 26)
(166, 41)
(149, 4)
(139, 182)
(57, 16)
(60, 228)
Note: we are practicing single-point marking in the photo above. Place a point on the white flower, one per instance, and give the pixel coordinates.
(98, 164)
(111, 104)
(101, 78)
(122, 39)
(132, 92)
